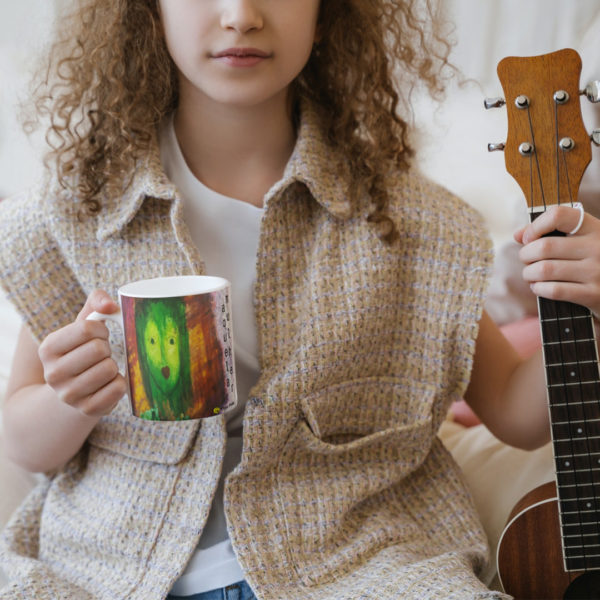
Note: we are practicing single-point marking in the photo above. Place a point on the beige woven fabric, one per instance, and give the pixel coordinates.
(343, 492)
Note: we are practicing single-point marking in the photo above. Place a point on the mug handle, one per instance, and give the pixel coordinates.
(116, 317)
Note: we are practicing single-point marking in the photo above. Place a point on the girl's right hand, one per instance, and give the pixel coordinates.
(77, 361)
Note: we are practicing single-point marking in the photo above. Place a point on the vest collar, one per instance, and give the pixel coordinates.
(148, 180)
(313, 162)
(318, 166)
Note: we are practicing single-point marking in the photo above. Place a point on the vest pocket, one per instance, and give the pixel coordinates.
(354, 454)
(350, 410)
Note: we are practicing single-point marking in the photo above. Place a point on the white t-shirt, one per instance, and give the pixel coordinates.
(226, 232)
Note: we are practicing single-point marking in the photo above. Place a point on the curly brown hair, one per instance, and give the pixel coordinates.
(110, 81)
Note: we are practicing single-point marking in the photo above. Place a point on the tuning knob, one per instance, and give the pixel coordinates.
(496, 147)
(494, 102)
(595, 137)
(592, 91)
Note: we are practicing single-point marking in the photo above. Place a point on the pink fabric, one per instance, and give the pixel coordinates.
(525, 336)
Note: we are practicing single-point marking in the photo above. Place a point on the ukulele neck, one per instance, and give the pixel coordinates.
(573, 385)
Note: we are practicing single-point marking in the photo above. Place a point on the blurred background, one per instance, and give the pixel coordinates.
(24, 29)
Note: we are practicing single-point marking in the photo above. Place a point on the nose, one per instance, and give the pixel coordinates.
(242, 16)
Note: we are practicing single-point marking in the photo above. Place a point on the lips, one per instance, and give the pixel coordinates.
(242, 53)
(241, 57)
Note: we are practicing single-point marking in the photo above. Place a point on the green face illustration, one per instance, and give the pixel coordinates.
(163, 350)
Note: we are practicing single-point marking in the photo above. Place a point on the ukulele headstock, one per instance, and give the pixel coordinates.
(547, 148)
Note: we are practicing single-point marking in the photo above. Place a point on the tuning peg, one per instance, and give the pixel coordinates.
(595, 137)
(494, 102)
(496, 147)
(592, 91)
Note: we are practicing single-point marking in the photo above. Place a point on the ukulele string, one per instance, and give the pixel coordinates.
(537, 160)
(557, 150)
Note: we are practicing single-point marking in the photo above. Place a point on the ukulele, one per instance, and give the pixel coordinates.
(550, 547)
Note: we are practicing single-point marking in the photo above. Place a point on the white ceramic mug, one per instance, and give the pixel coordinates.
(179, 346)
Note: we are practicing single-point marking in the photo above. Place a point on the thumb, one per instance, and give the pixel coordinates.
(98, 301)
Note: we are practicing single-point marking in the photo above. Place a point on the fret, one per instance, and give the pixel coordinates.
(585, 528)
(572, 373)
(582, 563)
(588, 411)
(566, 342)
(593, 456)
(580, 536)
(570, 383)
(569, 351)
(577, 445)
(571, 507)
(576, 421)
(573, 364)
(554, 319)
(574, 492)
(580, 550)
(578, 478)
(589, 557)
(577, 462)
(580, 506)
(574, 393)
(567, 328)
(576, 430)
(589, 402)
(552, 310)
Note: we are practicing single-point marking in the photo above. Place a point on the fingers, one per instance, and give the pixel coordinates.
(62, 366)
(96, 391)
(77, 361)
(104, 400)
(563, 267)
(564, 218)
(99, 301)
(555, 248)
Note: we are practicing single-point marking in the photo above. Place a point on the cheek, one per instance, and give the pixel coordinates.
(153, 353)
(300, 40)
(182, 38)
(172, 355)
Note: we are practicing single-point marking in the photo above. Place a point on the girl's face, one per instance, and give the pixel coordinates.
(238, 52)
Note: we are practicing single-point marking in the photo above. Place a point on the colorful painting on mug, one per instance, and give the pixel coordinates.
(178, 352)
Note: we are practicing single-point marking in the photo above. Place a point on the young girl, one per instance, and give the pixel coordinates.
(258, 140)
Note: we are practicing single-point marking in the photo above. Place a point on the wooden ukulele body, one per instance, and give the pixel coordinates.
(530, 555)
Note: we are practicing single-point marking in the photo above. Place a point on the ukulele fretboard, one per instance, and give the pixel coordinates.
(573, 382)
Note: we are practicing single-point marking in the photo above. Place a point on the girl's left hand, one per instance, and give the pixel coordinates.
(563, 267)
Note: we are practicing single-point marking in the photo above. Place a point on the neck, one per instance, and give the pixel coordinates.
(239, 152)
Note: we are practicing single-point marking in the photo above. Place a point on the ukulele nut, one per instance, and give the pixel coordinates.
(526, 149)
(561, 97)
(566, 144)
(521, 101)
